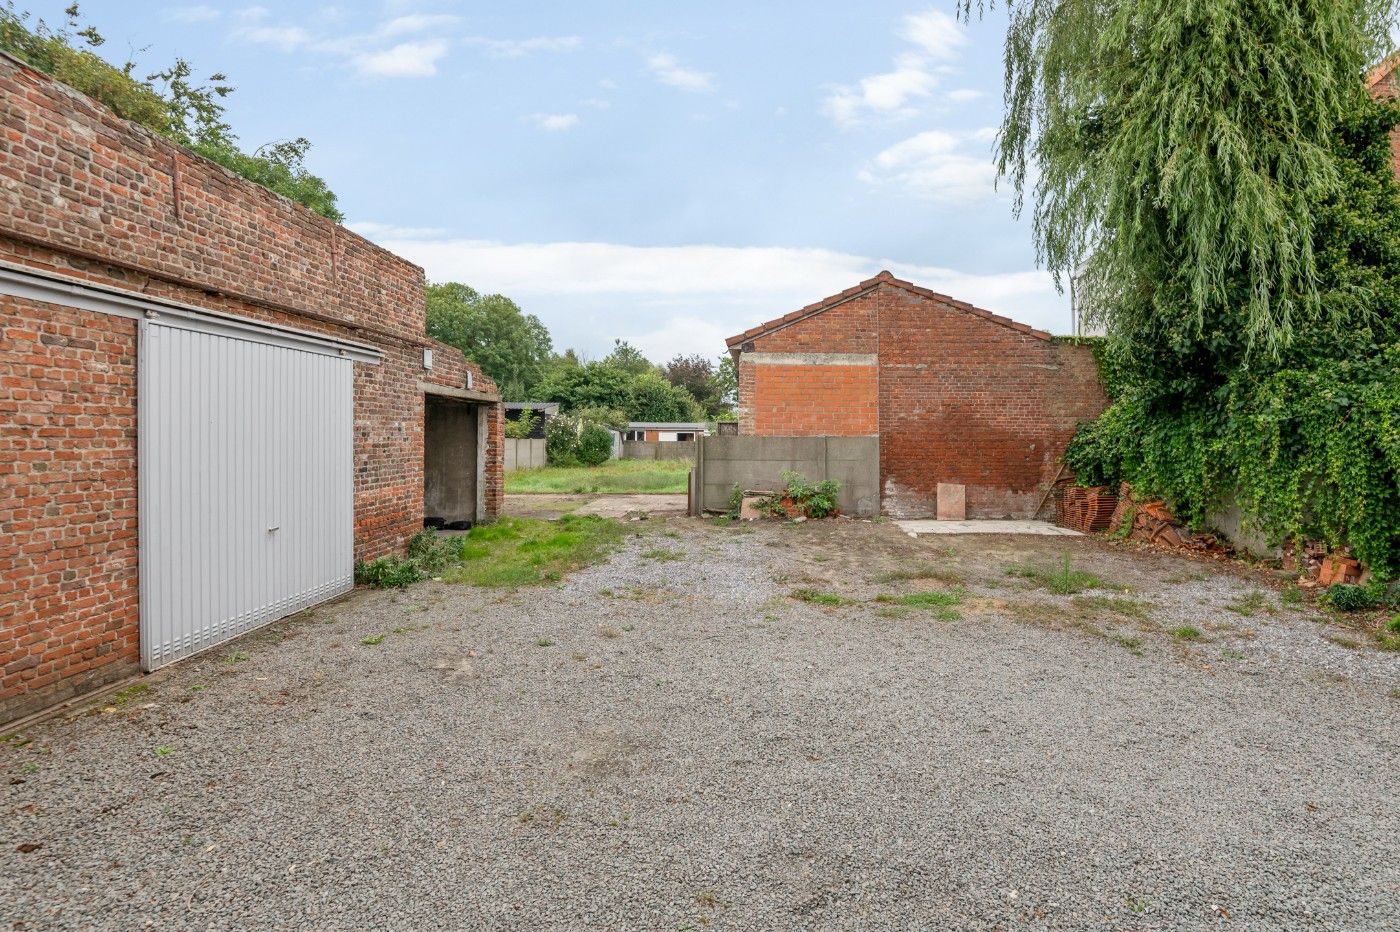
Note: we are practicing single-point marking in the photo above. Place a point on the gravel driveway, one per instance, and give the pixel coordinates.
(673, 743)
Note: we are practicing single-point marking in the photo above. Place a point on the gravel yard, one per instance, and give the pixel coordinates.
(672, 741)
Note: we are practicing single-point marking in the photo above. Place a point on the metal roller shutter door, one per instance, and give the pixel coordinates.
(245, 473)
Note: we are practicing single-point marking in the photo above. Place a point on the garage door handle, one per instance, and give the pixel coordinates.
(275, 527)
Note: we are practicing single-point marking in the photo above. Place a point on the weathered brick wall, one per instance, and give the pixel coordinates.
(956, 394)
(90, 196)
(68, 594)
(968, 400)
(1383, 84)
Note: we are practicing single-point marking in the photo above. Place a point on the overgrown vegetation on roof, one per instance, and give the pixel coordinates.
(169, 101)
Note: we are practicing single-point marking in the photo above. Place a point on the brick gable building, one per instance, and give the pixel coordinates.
(126, 260)
(955, 393)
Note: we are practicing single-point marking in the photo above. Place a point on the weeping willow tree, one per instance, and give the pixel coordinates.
(1182, 143)
(1213, 178)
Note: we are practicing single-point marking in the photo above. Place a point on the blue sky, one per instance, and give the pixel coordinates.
(666, 173)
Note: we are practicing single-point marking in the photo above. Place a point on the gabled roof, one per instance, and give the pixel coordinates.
(1382, 70)
(884, 278)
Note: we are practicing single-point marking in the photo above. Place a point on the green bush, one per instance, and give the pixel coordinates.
(522, 426)
(1346, 598)
(813, 499)
(426, 555)
(387, 573)
(595, 444)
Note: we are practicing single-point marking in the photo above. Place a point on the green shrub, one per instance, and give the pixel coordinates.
(387, 573)
(1346, 598)
(812, 499)
(574, 441)
(523, 426)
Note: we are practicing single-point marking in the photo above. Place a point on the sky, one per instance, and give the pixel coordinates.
(666, 173)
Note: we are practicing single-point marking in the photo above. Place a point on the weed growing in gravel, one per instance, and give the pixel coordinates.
(1131, 608)
(235, 656)
(1127, 641)
(1064, 580)
(164, 750)
(608, 631)
(1291, 595)
(372, 639)
(1250, 604)
(544, 642)
(130, 694)
(816, 597)
(1231, 654)
(1187, 633)
(551, 816)
(663, 554)
(922, 571)
(1344, 642)
(924, 599)
(527, 552)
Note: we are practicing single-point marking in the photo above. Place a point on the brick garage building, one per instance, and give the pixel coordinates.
(955, 394)
(109, 232)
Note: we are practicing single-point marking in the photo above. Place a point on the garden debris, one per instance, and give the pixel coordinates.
(1153, 522)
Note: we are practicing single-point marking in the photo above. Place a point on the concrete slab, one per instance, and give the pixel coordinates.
(914, 528)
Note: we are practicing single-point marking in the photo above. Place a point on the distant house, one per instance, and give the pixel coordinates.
(542, 410)
(666, 431)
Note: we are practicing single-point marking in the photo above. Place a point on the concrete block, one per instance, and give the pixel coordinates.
(952, 501)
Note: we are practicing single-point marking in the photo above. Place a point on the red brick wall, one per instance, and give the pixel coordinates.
(68, 594)
(90, 196)
(967, 400)
(955, 397)
(1387, 87)
(813, 400)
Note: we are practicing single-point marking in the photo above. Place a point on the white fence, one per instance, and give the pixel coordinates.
(524, 454)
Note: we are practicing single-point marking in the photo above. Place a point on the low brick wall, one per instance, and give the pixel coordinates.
(759, 462)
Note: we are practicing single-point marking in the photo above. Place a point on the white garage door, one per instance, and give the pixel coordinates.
(246, 499)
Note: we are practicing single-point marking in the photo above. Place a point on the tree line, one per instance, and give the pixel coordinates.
(515, 349)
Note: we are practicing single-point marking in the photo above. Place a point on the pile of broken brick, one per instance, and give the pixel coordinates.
(1096, 509)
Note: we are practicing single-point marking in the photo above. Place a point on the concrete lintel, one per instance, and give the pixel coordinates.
(447, 391)
(812, 359)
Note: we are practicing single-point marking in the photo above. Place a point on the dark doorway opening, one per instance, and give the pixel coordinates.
(453, 487)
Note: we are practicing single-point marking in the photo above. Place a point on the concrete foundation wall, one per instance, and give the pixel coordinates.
(759, 463)
(524, 454)
(659, 449)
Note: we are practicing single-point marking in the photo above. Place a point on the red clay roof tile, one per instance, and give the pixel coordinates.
(884, 278)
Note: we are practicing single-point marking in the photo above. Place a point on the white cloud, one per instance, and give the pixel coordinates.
(388, 231)
(554, 122)
(251, 13)
(668, 70)
(518, 48)
(938, 166)
(405, 60)
(937, 34)
(937, 37)
(192, 14)
(285, 38)
(590, 293)
(416, 22)
(963, 95)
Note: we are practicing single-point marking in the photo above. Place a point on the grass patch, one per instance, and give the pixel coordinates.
(372, 639)
(1187, 633)
(1130, 608)
(1128, 642)
(528, 552)
(923, 599)
(1388, 642)
(942, 574)
(1231, 654)
(130, 694)
(544, 642)
(663, 553)
(1063, 580)
(1250, 604)
(816, 597)
(1291, 595)
(637, 476)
